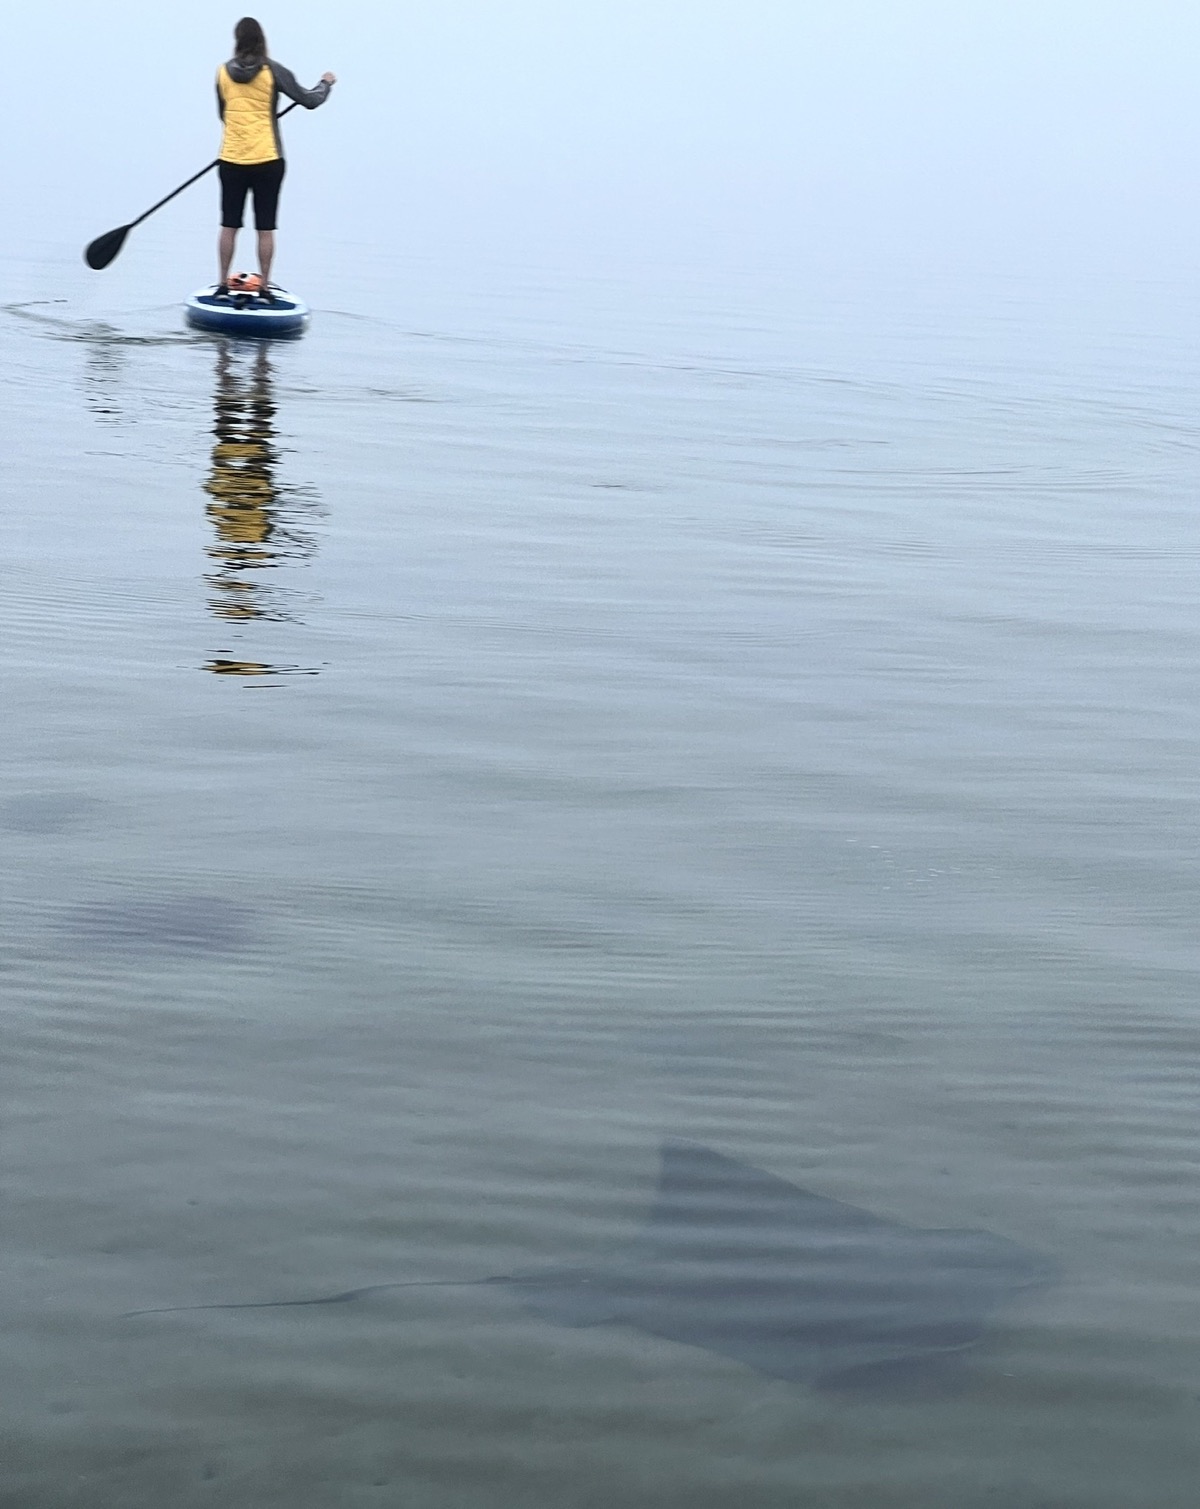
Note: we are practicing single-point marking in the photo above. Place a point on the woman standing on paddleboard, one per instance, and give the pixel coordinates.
(251, 157)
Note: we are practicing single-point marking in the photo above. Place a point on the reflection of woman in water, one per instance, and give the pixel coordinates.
(241, 485)
(256, 520)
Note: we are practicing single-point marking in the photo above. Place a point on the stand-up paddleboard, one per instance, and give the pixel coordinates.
(242, 311)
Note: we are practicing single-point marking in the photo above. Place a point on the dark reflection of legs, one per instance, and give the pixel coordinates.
(241, 484)
(256, 521)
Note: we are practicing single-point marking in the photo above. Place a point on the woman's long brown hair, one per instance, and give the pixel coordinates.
(248, 39)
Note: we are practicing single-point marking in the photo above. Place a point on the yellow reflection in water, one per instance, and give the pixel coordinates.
(258, 523)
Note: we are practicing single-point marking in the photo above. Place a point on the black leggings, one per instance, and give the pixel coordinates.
(263, 179)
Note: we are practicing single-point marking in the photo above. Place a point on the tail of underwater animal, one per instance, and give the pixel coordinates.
(327, 1299)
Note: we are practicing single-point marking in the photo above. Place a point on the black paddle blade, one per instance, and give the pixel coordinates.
(104, 248)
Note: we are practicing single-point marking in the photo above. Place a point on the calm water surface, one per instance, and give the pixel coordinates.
(446, 756)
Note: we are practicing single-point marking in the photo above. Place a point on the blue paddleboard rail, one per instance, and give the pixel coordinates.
(239, 314)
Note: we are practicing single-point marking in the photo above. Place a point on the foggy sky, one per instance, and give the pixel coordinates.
(1000, 132)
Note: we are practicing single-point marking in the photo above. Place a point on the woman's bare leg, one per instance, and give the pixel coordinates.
(225, 246)
(266, 253)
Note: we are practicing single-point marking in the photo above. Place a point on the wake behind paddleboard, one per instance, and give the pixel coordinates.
(242, 314)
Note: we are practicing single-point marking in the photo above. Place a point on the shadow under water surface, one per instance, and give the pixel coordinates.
(794, 1285)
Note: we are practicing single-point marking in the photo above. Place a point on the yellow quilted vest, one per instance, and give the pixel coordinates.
(249, 121)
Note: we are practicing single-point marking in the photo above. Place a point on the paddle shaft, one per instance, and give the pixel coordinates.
(192, 180)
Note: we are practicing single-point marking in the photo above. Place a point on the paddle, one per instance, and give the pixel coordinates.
(105, 248)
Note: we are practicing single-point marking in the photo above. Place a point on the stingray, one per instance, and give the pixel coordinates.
(794, 1285)
(187, 924)
(47, 812)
